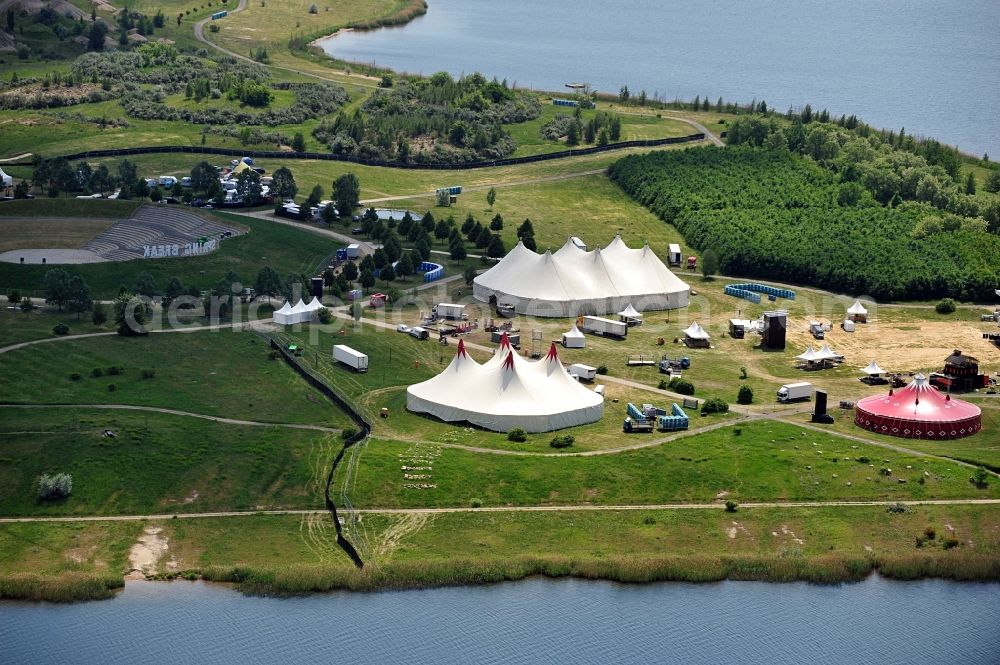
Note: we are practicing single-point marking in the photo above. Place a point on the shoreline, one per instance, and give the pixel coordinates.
(312, 580)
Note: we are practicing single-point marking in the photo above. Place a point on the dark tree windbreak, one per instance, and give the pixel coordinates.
(776, 215)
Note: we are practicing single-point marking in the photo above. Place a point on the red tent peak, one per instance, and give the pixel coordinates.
(504, 340)
(552, 354)
(462, 353)
(508, 362)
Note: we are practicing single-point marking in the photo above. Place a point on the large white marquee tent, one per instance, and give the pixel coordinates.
(572, 281)
(506, 392)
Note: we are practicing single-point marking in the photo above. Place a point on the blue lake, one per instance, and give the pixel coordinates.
(533, 621)
(932, 67)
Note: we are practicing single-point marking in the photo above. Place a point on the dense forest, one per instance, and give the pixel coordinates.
(432, 120)
(774, 214)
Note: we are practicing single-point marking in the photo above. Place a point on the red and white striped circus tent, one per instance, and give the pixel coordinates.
(918, 411)
(505, 392)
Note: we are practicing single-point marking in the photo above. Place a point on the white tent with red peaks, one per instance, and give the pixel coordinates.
(572, 281)
(505, 392)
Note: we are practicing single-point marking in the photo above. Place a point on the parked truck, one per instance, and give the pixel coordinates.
(449, 311)
(605, 327)
(795, 392)
(348, 356)
(816, 329)
(669, 365)
(582, 372)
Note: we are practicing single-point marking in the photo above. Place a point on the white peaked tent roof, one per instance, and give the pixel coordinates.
(857, 308)
(809, 355)
(6, 179)
(285, 309)
(506, 392)
(825, 353)
(574, 333)
(314, 304)
(629, 312)
(556, 284)
(695, 331)
(284, 316)
(873, 369)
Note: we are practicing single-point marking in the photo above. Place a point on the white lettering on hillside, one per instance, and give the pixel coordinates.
(187, 249)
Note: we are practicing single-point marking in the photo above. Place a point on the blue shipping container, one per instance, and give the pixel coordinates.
(218, 15)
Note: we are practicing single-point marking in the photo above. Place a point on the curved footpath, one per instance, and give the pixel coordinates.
(510, 509)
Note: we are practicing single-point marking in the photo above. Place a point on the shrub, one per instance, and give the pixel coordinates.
(214, 27)
(313, 9)
(745, 395)
(896, 509)
(885, 471)
(731, 506)
(682, 386)
(864, 459)
(563, 441)
(148, 373)
(324, 315)
(115, 370)
(347, 433)
(14, 297)
(743, 373)
(476, 503)
(61, 329)
(715, 405)
(980, 478)
(97, 372)
(54, 487)
(662, 385)
(950, 543)
(75, 376)
(930, 533)
(945, 306)
(112, 387)
(603, 369)
(517, 435)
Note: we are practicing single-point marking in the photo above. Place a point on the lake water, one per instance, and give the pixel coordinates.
(534, 621)
(930, 66)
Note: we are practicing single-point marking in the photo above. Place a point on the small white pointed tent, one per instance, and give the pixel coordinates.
(630, 313)
(808, 356)
(872, 369)
(574, 339)
(314, 305)
(506, 392)
(283, 316)
(6, 180)
(695, 335)
(826, 353)
(857, 312)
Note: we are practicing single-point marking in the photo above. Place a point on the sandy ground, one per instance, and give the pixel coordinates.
(55, 256)
(909, 347)
(145, 555)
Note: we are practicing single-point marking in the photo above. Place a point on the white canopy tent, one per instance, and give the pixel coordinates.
(7, 180)
(857, 312)
(630, 313)
(572, 281)
(574, 339)
(826, 353)
(809, 356)
(872, 369)
(506, 392)
(695, 335)
(283, 316)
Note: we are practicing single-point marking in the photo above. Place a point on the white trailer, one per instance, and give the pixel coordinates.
(447, 310)
(353, 359)
(606, 327)
(793, 392)
(674, 254)
(582, 372)
(353, 250)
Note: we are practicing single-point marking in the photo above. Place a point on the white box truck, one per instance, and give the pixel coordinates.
(794, 392)
(674, 254)
(447, 310)
(606, 327)
(353, 250)
(582, 372)
(419, 332)
(353, 359)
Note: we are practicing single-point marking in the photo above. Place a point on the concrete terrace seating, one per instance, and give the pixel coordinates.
(154, 225)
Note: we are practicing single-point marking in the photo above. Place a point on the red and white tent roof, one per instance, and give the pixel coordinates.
(919, 411)
(506, 392)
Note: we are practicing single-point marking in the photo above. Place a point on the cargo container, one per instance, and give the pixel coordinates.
(606, 327)
(582, 372)
(449, 311)
(348, 356)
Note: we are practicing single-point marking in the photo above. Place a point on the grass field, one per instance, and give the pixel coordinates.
(212, 466)
(765, 461)
(17, 326)
(49, 233)
(287, 250)
(206, 372)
